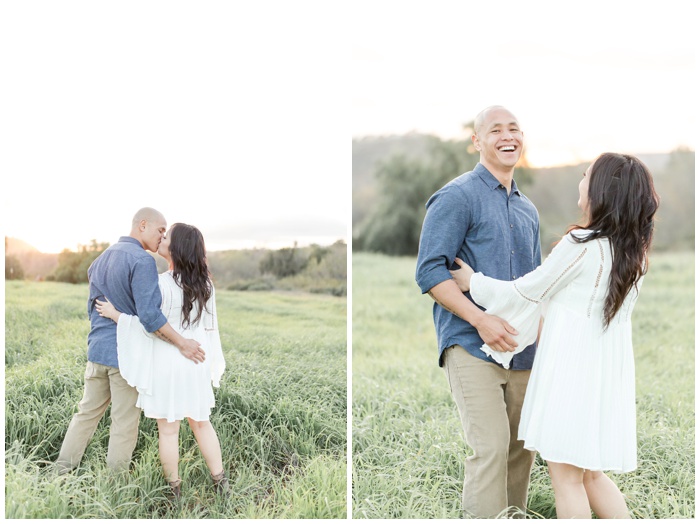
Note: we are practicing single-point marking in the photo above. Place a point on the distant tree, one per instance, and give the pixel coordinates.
(318, 252)
(674, 227)
(393, 226)
(13, 268)
(73, 266)
(285, 262)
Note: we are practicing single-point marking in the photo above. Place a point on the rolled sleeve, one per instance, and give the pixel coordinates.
(442, 235)
(147, 296)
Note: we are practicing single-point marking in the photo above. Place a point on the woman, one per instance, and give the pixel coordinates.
(579, 409)
(172, 387)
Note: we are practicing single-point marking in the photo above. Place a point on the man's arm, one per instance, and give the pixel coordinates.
(147, 298)
(494, 331)
(188, 347)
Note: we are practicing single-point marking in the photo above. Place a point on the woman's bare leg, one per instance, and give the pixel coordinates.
(168, 448)
(569, 494)
(605, 497)
(208, 444)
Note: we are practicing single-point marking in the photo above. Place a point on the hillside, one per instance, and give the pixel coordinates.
(36, 265)
(318, 269)
(554, 190)
(367, 152)
(15, 246)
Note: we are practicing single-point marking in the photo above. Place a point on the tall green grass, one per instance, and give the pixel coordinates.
(280, 414)
(408, 447)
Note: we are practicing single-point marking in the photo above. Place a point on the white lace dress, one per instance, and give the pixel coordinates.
(171, 386)
(580, 403)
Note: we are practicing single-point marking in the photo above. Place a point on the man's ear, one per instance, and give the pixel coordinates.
(475, 141)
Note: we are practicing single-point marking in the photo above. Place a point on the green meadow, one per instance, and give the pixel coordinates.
(281, 413)
(408, 448)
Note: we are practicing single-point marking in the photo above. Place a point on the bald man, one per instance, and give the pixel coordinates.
(127, 275)
(483, 218)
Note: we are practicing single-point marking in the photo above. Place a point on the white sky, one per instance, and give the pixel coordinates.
(236, 116)
(220, 114)
(582, 77)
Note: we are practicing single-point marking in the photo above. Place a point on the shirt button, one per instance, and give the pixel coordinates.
(511, 226)
(512, 252)
(513, 277)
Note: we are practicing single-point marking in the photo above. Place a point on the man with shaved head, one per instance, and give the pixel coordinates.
(127, 275)
(482, 218)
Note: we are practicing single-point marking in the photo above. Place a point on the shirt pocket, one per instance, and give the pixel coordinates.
(525, 242)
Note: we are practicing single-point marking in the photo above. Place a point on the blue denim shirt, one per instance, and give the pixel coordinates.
(474, 218)
(127, 275)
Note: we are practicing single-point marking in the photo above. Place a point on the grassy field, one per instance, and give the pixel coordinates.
(281, 413)
(408, 448)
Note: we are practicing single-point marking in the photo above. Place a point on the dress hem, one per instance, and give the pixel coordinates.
(578, 464)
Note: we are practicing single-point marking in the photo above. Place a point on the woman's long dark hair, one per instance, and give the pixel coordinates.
(190, 269)
(621, 206)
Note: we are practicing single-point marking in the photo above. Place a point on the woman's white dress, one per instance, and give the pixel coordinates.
(579, 407)
(171, 386)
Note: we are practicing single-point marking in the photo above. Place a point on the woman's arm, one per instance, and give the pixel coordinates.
(463, 275)
(189, 348)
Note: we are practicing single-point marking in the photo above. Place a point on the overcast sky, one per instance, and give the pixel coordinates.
(237, 116)
(220, 114)
(582, 77)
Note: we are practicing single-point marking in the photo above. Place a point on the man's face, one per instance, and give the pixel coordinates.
(499, 139)
(152, 236)
(164, 248)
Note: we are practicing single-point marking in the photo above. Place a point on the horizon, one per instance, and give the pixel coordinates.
(530, 162)
(272, 245)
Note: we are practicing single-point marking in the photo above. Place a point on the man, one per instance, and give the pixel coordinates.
(482, 218)
(127, 275)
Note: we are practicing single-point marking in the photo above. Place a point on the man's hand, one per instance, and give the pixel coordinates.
(496, 332)
(493, 330)
(191, 349)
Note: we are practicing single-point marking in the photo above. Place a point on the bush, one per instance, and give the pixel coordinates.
(13, 269)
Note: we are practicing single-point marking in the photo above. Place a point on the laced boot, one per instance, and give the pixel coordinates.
(221, 484)
(175, 490)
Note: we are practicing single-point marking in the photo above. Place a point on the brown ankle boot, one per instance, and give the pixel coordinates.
(221, 484)
(175, 490)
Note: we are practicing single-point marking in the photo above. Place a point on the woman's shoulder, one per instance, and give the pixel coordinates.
(166, 278)
(576, 238)
(580, 233)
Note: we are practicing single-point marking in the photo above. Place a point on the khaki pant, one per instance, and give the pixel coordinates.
(489, 399)
(102, 385)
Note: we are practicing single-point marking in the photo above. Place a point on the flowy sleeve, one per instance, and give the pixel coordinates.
(135, 353)
(213, 341)
(521, 302)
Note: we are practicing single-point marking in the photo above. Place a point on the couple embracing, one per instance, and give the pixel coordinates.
(545, 363)
(154, 346)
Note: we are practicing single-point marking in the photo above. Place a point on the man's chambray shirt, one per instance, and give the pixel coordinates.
(127, 275)
(474, 218)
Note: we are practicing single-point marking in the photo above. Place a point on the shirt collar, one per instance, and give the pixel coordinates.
(131, 240)
(491, 180)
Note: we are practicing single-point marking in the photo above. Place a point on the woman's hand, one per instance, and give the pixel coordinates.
(106, 309)
(463, 275)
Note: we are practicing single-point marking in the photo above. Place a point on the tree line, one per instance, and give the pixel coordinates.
(317, 269)
(393, 178)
